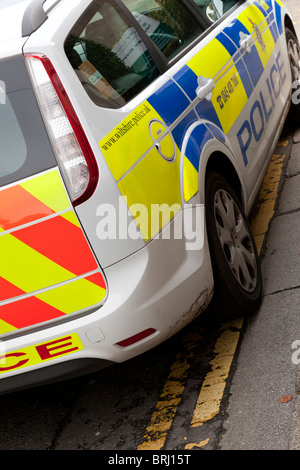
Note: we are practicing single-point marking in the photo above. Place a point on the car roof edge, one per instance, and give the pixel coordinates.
(34, 17)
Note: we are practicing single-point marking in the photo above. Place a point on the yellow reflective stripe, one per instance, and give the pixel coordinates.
(210, 60)
(227, 82)
(190, 180)
(71, 217)
(233, 98)
(265, 49)
(251, 15)
(263, 4)
(48, 188)
(26, 268)
(128, 141)
(254, 20)
(154, 181)
(6, 327)
(74, 296)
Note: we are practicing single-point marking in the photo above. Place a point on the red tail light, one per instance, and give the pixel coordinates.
(74, 154)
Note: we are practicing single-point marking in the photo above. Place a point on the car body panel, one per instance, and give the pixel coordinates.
(40, 277)
(151, 278)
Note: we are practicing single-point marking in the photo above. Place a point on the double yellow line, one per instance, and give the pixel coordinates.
(213, 385)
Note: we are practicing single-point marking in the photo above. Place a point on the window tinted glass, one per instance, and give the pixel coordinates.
(25, 148)
(215, 9)
(108, 55)
(13, 148)
(167, 22)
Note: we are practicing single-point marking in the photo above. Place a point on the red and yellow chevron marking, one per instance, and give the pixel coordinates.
(52, 304)
(32, 200)
(41, 262)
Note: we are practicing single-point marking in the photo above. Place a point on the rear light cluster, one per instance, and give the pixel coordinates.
(74, 154)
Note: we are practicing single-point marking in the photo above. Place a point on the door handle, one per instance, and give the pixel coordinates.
(246, 42)
(205, 88)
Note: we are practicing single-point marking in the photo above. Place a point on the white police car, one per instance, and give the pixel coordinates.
(135, 135)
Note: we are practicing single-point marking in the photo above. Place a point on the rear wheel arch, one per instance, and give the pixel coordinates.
(289, 24)
(220, 163)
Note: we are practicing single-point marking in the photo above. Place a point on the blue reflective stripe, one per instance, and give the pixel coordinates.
(274, 31)
(272, 26)
(206, 111)
(269, 3)
(216, 132)
(262, 10)
(278, 17)
(187, 80)
(271, 17)
(227, 43)
(254, 65)
(232, 49)
(233, 31)
(169, 102)
(240, 66)
(251, 59)
(180, 130)
(198, 138)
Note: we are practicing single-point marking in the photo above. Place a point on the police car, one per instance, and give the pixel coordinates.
(135, 135)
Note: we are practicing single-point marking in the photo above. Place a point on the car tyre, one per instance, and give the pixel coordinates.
(293, 48)
(235, 261)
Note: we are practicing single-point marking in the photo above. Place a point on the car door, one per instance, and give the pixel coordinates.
(226, 78)
(263, 62)
(166, 80)
(120, 52)
(213, 76)
(249, 36)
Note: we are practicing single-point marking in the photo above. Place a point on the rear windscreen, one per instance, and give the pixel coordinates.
(24, 144)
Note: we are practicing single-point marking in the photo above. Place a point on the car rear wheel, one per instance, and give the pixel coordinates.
(294, 58)
(235, 261)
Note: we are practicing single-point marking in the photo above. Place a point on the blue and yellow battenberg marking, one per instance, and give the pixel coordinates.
(143, 176)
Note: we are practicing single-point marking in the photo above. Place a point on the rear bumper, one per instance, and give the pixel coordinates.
(52, 374)
(162, 287)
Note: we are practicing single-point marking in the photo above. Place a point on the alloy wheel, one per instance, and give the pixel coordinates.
(235, 240)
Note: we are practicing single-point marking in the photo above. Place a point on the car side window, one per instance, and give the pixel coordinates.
(215, 9)
(169, 24)
(109, 56)
(13, 151)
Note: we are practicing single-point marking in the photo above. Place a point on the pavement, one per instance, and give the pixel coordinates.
(263, 410)
(289, 201)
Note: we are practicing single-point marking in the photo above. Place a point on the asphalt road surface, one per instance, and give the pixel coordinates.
(212, 386)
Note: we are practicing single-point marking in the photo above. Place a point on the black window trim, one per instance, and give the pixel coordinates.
(222, 18)
(156, 54)
(206, 32)
(161, 61)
